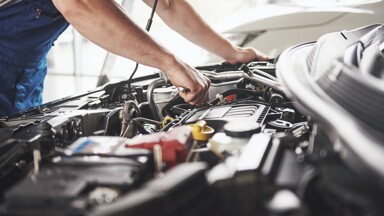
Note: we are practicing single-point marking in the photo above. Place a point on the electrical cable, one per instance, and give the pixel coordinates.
(147, 28)
(129, 111)
(176, 99)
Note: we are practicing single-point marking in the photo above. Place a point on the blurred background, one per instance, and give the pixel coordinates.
(75, 64)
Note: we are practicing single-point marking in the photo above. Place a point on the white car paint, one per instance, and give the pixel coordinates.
(281, 26)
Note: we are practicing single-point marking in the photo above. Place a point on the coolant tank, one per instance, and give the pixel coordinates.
(163, 95)
(241, 129)
(236, 135)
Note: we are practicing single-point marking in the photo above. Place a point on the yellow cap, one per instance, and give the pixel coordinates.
(201, 131)
(166, 120)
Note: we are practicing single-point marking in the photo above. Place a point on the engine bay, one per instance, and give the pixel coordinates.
(138, 149)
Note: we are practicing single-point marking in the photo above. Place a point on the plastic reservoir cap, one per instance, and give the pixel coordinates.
(241, 129)
(166, 120)
(201, 131)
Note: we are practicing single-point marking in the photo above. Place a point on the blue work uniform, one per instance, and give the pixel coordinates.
(28, 30)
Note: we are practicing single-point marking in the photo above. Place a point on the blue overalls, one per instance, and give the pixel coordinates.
(28, 30)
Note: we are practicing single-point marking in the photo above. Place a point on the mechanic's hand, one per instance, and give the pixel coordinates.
(246, 54)
(194, 83)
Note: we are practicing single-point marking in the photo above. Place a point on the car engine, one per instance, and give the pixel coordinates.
(277, 137)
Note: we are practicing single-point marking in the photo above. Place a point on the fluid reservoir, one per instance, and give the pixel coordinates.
(235, 136)
(163, 95)
(201, 131)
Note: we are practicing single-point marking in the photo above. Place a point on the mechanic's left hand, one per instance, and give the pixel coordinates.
(246, 54)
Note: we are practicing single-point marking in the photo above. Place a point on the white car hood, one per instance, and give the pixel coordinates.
(277, 17)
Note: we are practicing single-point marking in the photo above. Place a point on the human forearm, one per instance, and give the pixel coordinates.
(105, 23)
(181, 17)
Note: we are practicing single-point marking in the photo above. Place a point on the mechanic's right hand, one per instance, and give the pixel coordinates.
(194, 84)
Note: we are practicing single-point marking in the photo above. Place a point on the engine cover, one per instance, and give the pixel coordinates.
(245, 111)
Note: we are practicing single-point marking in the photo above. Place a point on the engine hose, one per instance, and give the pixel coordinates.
(174, 101)
(151, 102)
(107, 118)
(241, 74)
(236, 92)
(132, 126)
(179, 109)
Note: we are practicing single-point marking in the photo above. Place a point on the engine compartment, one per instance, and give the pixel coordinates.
(138, 149)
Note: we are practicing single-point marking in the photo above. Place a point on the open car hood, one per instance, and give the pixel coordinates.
(333, 84)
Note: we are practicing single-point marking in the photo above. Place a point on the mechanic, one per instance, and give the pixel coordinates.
(28, 29)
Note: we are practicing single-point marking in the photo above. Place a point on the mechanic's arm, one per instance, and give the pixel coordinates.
(105, 23)
(181, 17)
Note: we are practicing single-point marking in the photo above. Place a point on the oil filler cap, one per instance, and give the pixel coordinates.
(242, 129)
